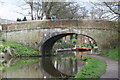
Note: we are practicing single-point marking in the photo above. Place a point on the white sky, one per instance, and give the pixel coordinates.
(9, 9)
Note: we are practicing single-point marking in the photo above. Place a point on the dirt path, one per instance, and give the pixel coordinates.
(112, 67)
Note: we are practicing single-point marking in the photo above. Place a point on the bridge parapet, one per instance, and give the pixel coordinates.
(96, 24)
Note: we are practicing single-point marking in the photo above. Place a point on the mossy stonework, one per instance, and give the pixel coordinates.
(33, 33)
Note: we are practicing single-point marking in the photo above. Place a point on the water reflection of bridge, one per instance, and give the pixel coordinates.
(47, 67)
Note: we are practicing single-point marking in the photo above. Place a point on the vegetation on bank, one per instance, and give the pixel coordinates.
(14, 49)
(94, 68)
(113, 54)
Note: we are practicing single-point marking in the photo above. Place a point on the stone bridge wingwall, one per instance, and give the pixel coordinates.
(32, 33)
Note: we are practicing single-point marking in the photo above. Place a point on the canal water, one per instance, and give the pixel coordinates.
(63, 65)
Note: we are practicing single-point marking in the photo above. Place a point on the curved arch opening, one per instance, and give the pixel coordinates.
(47, 46)
(77, 41)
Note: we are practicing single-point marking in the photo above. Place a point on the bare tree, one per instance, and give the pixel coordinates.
(114, 8)
(30, 3)
(65, 10)
(98, 13)
(105, 10)
(83, 13)
(62, 10)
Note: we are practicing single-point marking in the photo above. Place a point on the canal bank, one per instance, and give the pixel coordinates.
(94, 68)
(111, 60)
(16, 50)
(113, 54)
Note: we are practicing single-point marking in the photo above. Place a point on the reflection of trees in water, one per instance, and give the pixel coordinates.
(68, 65)
(21, 68)
(1, 74)
(44, 69)
(3, 64)
(48, 67)
(76, 68)
(6, 62)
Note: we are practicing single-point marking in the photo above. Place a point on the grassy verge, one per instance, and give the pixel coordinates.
(94, 68)
(18, 49)
(113, 54)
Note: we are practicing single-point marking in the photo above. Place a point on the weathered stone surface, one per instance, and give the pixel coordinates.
(60, 24)
(35, 33)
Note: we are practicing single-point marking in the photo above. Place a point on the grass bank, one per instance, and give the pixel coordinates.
(17, 49)
(94, 68)
(113, 54)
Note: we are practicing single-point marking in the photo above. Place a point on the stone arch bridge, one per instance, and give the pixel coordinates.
(42, 35)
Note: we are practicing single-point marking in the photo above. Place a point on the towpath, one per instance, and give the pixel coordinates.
(112, 67)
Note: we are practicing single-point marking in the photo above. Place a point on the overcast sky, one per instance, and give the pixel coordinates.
(10, 9)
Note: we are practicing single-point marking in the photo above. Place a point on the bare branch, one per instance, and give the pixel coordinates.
(111, 9)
